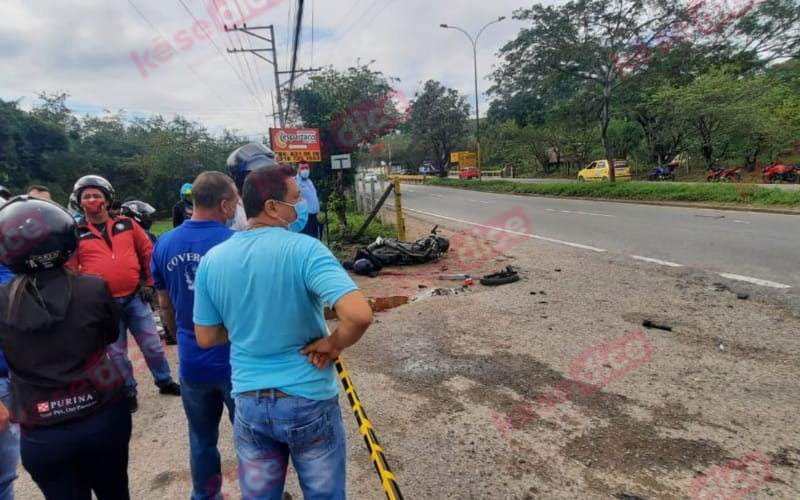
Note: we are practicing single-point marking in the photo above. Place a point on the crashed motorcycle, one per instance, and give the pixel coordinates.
(393, 252)
(779, 172)
(662, 174)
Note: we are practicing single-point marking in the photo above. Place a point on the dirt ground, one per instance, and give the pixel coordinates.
(471, 391)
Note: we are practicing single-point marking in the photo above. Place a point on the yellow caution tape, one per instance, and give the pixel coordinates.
(388, 479)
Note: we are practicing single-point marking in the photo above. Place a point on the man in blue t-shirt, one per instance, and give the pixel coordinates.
(205, 373)
(263, 290)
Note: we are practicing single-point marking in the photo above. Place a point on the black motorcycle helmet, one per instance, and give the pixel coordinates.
(37, 235)
(139, 211)
(247, 158)
(93, 181)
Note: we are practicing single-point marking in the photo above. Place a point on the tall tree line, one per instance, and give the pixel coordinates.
(144, 158)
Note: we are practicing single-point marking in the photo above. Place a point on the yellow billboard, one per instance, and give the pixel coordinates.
(464, 159)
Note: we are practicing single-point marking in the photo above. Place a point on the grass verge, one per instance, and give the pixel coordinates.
(737, 194)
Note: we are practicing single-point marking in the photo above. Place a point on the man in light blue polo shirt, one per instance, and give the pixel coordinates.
(263, 290)
(205, 373)
(309, 194)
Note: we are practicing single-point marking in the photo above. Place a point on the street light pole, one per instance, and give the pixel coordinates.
(474, 43)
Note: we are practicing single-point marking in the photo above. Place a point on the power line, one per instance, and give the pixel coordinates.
(364, 15)
(263, 89)
(294, 56)
(153, 26)
(211, 39)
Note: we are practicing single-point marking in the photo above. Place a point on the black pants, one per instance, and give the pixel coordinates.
(70, 460)
(312, 227)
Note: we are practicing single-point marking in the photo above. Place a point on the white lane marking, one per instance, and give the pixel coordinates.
(741, 221)
(527, 235)
(484, 202)
(656, 261)
(577, 212)
(755, 281)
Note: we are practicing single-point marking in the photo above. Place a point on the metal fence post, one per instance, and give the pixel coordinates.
(398, 210)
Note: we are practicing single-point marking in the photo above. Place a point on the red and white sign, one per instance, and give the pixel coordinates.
(293, 145)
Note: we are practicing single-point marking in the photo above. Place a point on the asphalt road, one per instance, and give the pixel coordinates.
(755, 247)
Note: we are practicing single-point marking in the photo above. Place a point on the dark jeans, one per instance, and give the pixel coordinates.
(312, 227)
(70, 460)
(203, 403)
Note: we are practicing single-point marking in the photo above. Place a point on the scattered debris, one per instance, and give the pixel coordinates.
(542, 302)
(453, 277)
(422, 286)
(469, 282)
(508, 275)
(722, 347)
(742, 295)
(649, 324)
(542, 292)
(558, 270)
(443, 267)
(720, 287)
(533, 293)
(628, 496)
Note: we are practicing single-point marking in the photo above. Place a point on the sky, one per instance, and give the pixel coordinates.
(170, 56)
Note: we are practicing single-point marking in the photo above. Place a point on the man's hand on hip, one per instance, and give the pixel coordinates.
(322, 352)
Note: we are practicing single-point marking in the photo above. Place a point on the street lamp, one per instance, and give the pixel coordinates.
(474, 43)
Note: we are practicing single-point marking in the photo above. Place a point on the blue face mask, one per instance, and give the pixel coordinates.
(230, 222)
(301, 209)
(305, 173)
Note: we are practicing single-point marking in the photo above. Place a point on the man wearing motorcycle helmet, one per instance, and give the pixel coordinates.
(241, 162)
(55, 329)
(119, 251)
(140, 211)
(183, 209)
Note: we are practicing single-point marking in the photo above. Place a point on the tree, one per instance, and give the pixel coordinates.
(334, 100)
(439, 117)
(582, 41)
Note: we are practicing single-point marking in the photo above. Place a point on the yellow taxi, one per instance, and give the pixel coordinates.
(598, 171)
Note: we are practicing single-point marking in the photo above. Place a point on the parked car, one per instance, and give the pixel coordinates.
(598, 171)
(469, 173)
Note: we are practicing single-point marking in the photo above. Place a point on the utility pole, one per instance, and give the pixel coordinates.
(274, 62)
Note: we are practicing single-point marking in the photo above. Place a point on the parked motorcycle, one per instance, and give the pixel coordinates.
(662, 174)
(722, 174)
(779, 172)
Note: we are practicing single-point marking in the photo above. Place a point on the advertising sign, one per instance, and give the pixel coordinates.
(293, 145)
(464, 159)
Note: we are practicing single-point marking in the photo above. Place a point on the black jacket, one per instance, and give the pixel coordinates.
(55, 341)
(181, 212)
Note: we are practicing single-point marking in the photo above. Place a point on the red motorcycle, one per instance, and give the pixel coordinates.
(722, 174)
(779, 172)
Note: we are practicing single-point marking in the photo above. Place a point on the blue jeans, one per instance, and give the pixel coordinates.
(268, 430)
(138, 318)
(9, 449)
(203, 403)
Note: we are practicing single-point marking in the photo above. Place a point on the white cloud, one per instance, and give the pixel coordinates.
(91, 49)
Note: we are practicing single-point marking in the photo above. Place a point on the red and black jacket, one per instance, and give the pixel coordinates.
(122, 262)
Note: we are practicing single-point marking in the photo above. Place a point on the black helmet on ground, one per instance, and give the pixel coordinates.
(93, 181)
(139, 211)
(247, 158)
(37, 235)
